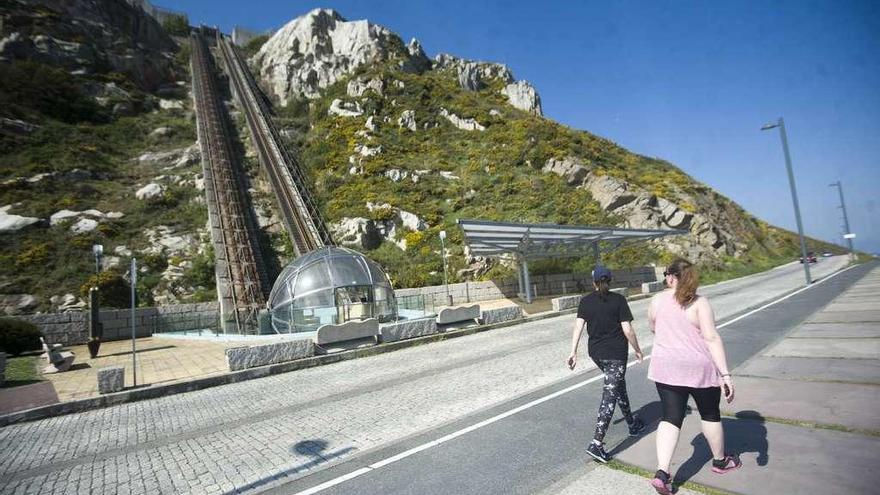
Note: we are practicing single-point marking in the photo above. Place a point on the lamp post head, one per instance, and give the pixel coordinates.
(97, 250)
(443, 234)
(767, 127)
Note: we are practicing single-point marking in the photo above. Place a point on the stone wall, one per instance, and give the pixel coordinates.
(73, 328)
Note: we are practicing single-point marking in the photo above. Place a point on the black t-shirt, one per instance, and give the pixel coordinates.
(603, 324)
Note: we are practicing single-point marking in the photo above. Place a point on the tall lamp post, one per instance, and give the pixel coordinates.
(794, 198)
(848, 235)
(445, 276)
(98, 251)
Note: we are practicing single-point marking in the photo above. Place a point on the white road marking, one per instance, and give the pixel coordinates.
(529, 405)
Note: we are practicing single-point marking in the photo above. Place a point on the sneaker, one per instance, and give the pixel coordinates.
(598, 453)
(729, 463)
(662, 483)
(636, 427)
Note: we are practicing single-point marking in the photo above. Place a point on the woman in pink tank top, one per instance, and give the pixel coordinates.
(687, 359)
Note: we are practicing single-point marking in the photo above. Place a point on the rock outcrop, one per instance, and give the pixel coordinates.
(523, 96)
(96, 36)
(463, 124)
(473, 75)
(11, 223)
(315, 50)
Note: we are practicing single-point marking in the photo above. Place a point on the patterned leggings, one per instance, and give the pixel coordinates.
(613, 393)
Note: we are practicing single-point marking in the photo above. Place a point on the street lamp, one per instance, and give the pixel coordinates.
(98, 251)
(445, 276)
(794, 199)
(848, 235)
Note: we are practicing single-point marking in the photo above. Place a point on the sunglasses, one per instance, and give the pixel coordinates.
(667, 273)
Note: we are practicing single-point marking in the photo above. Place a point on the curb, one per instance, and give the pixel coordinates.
(156, 391)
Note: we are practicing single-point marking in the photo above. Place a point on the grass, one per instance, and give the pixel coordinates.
(809, 424)
(690, 485)
(21, 370)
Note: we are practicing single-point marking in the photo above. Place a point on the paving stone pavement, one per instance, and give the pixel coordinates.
(244, 436)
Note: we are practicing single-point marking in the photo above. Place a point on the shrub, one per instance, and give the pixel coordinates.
(17, 336)
(177, 25)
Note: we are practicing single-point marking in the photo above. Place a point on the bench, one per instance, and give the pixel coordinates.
(455, 314)
(57, 360)
(350, 330)
(651, 287)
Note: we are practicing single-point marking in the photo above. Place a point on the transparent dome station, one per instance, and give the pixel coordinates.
(330, 285)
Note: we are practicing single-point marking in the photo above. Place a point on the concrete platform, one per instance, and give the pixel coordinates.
(850, 405)
(827, 348)
(792, 368)
(837, 330)
(846, 316)
(604, 481)
(775, 458)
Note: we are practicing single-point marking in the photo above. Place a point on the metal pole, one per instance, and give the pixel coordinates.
(445, 277)
(849, 241)
(525, 268)
(794, 199)
(133, 332)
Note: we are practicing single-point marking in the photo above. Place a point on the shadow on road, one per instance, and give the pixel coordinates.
(311, 448)
(746, 433)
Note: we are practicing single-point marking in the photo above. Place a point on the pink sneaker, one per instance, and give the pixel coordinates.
(729, 463)
(662, 483)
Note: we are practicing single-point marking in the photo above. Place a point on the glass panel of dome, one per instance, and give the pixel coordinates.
(348, 270)
(312, 277)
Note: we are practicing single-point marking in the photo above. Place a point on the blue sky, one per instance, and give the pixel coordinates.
(687, 81)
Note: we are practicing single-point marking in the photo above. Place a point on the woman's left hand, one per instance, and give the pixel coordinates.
(727, 388)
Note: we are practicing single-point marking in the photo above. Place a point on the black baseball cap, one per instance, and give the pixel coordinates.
(599, 272)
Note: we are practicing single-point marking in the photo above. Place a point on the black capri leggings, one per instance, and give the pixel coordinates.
(673, 400)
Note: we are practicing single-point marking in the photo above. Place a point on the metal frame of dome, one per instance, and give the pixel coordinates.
(321, 281)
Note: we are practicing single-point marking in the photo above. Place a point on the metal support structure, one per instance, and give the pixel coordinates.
(526, 281)
(134, 363)
(794, 198)
(597, 252)
(240, 273)
(847, 232)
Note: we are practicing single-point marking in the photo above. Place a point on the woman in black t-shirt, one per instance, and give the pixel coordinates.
(608, 320)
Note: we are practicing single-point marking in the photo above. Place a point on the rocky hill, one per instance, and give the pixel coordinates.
(97, 145)
(400, 146)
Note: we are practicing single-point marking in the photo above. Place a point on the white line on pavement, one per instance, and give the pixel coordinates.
(433, 443)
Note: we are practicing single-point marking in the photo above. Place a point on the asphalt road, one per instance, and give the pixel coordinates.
(537, 449)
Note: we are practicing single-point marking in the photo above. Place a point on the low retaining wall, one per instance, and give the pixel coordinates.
(650, 287)
(407, 329)
(242, 358)
(565, 302)
(497, 315)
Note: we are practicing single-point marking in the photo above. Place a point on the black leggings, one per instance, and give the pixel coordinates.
(673, 400)
(613, 394)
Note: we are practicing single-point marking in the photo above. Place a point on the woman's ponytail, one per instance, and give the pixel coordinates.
(688, 280)
(603, 287)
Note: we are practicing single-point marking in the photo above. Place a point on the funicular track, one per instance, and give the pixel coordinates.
(241, 283)
(299, 212)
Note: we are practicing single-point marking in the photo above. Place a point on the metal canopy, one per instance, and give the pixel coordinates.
(536, 241)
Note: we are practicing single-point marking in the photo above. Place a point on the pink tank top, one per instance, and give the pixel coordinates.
(680, 356)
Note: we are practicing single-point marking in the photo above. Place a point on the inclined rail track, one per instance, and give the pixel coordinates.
(238, 262)
(299, 212)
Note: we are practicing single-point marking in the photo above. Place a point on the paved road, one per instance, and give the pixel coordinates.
(258, 434)
(540, 449)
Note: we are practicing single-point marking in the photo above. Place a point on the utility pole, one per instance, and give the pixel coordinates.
(847, 234)
(794, 199)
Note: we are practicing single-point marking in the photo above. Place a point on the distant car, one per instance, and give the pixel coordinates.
(811, 257)
(827, 254)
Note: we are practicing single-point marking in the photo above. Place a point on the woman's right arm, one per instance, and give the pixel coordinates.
(576, 332)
